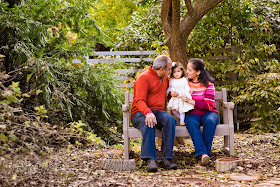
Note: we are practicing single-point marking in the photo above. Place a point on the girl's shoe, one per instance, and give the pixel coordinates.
(205, 159)
(200, 165)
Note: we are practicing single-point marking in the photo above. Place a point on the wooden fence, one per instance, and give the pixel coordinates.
(121, 56)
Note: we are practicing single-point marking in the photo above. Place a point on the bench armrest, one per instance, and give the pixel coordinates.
(228, 113)
(125, 108)
(229, 105)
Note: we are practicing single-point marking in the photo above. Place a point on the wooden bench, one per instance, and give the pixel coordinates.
(226, 129)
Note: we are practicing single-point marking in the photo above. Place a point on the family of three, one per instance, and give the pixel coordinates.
(193, 108)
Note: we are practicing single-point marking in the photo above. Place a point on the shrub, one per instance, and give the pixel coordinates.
(264, 93)
(29, 132)
(89, 93)
(39, 40)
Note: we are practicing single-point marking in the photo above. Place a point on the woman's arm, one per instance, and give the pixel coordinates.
(208, 103)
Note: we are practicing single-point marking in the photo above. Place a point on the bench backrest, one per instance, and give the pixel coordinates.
(127, 56)
(120, 56)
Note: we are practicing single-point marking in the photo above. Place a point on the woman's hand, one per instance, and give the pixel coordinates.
(174, 94)
(191, 91)
(188, 100)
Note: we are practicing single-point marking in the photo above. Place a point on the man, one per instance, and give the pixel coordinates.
(147, 113)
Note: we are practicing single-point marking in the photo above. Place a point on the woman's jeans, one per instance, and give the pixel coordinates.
(164, 121)
(202, 141)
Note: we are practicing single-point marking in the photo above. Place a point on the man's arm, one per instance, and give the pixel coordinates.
(141, 89)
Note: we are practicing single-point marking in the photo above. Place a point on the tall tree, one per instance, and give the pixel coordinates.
(177, 30)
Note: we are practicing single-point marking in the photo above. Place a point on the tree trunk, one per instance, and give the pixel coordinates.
(178, 53)
(227, 163)
(176, 31)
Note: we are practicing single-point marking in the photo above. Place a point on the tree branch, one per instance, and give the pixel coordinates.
(165, 9)
(200, 8)
(175, 23)
(205, 6)
(189, 6)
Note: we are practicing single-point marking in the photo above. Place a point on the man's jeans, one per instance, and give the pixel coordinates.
(164, 121)
(202, 141)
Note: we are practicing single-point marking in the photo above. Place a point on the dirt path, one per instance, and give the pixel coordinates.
(261, 155)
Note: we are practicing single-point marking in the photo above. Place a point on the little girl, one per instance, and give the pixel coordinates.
(179, 84)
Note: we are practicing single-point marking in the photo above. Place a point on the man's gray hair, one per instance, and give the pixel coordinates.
(161, 62)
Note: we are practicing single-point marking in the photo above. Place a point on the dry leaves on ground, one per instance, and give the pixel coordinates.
(261, 155)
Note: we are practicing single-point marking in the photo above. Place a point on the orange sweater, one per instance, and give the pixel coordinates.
(149, 92)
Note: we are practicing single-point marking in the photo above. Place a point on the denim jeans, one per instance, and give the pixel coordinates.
(202, 141)
(167, 123)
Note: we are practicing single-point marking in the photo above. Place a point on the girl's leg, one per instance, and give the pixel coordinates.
(176, 113)
(182, 118)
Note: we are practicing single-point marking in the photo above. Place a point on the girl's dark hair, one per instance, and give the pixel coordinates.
(177, 64)
(204, 76)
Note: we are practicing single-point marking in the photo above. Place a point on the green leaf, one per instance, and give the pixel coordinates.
(13, 137)
(38, 91)
(3, 137)
(28, 77)
(13, 99)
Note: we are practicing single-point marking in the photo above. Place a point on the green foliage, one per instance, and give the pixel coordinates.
(264, 93)
(87, 137)
(39, 39)
(144, 30)
(245, 23)
(113, 16)
(89, 93)
(59, 29)
(20, 132)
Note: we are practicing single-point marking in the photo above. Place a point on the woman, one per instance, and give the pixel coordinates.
(205, 111)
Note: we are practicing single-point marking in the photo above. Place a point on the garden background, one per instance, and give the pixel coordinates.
(47, 105)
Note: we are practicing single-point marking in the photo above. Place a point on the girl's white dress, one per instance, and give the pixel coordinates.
(182, 87)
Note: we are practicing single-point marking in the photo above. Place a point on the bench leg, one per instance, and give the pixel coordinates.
(126, 148)
(231, 145)
(226, 138)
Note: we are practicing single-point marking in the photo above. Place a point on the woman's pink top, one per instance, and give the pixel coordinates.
(204, 98)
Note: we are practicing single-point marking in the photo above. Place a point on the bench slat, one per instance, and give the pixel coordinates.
(103, 53)
(128, 70)
(218, 97)
(111, 60)
(181, 131)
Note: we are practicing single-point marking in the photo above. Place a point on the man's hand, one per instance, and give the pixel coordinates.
(174, 94)
(150, 120)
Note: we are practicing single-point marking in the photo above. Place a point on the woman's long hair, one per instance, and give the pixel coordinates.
(204, 76)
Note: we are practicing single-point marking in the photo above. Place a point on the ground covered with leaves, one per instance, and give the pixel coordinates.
(260, 154)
